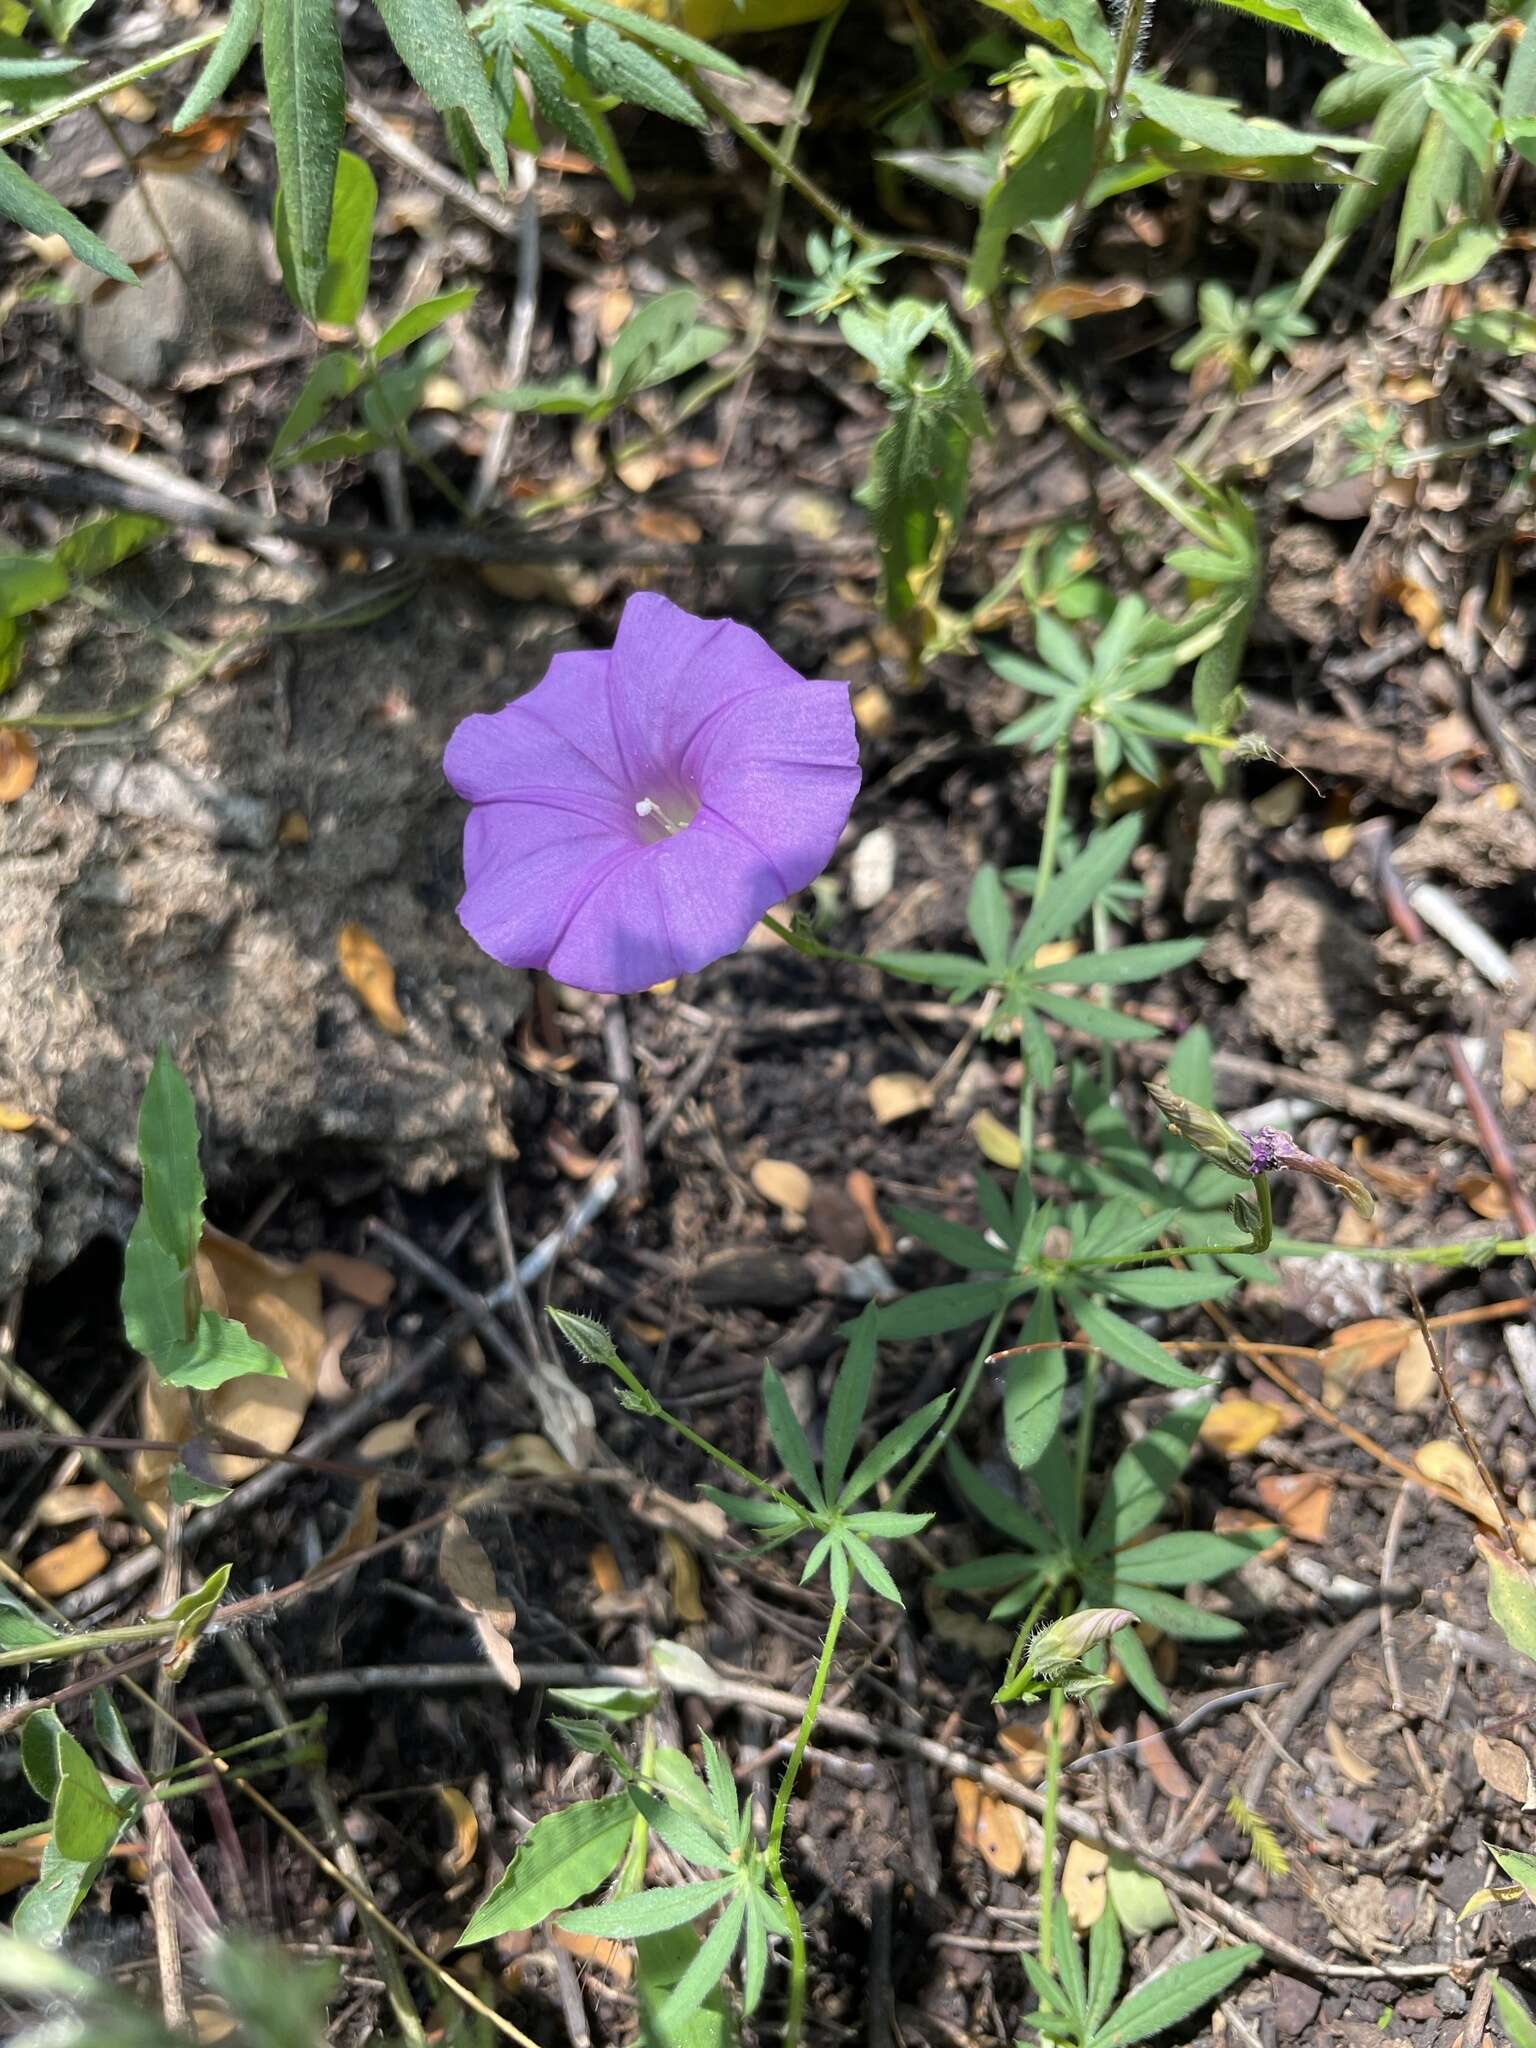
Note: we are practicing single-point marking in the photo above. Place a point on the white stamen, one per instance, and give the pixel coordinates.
(644, 807)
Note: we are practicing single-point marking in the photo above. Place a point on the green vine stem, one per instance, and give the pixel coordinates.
(1048, 1831)
(103, 88)
(795, 2012)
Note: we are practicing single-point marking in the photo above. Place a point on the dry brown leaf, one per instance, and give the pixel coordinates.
(361, 1280)
(784, 1184)
(1002, 1835)
(470, 1577)
(194, 147)
(607, 1579)
(1446, 738)
(666, 524)
(1451, 1465)
(394, 1439)
(600, 1952)
(466, 1832)
(61, 1505)
(1336, 840)
(369, 972)
(895, 1096)
(967, 1813)
(696, 1521)
(996, 1141)
(1347, 1759)
(1506, 1767)
(1390, 1180)
(1360, 1348)
(280, 1306)
(1159, 1762)
(682, 1570)
(526, 1456)
(1413, 1378)
(1483, 1196)
(1084, 1884)
(18, 764)
(1354, 1231)
(362, 1526)
(872, 711)
(68, 1566)
(1083, 301)
(1299, 1501)
(341, 1322)
(1237, 1426)
(1023, 1744)
(14, 1119)
(1518, 1082)
(1053, 955)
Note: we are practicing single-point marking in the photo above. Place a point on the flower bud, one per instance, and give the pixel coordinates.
(1209, 1133)
(1066, 1642)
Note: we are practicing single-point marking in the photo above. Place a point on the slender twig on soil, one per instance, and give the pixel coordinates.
(1490, 1136)
(1473, 1448)
(1317, 1676)
(158, 1825)
(621, 1068)
(514, 362)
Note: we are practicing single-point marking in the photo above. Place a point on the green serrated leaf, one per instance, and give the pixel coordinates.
(336, 295)
(1174, 1994)
(847, 1403)
(789, 1438)
(650, 1912)
(221, 1350)
(101, 544)
(418, 320)
(1343, 25)
(334, 377)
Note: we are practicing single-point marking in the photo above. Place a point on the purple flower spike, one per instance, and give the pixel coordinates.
(636, 813)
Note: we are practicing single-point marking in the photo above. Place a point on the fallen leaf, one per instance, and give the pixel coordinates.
(68, 1566)
(12, 1119)
(1084, 1884)
(1483, 1196)
(61, 1505)
(1002, 1835)
(1299, 1501)
(1360, 1348)
(1413, 1380)
(1281, 805)
(614, 1958)
(967, 1814)
(17, 1869)
(664, 523)
(470, 1577)
(604, 1567)
(1159, 1762)
(1056, 953)
(1023, 1744)
(1347, 1759)
(895, 1096)
(394, 1439)
(1451, 1464)
(18, 764)
(785, 1185)
(362, 1525)
(466, 1832)
(1140, 1902)
(996, 1141)
(367, 969)
(1518, 1082)
(131, 103)
(342, 1321)
(1127, 791)
(1083, 301)
(1237, 1426)
(1354, 1231)
(194, 147)
(682, 1570)
(861, 1190)
(1506, 1767)
(1389, 1180)
(360, 1279)
(1336, 841)
(526, 1456)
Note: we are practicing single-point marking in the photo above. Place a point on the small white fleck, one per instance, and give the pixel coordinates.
(644, 807)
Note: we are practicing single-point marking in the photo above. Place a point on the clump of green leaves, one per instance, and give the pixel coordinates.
(664, 340)
(1082, 2008)
(30, 582)
(1233, 330)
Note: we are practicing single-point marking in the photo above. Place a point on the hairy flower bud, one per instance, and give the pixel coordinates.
(1207, 1131)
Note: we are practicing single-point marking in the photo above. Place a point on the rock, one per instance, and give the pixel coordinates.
(837, 1222)
(1478, 844)
(1215, 887)
(147, 897)
(872, 868)
(202, 261)
(754, 1277)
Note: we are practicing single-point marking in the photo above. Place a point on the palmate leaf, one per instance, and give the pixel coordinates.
(650, 1912)
(1143, 1477)
(433, 42)
(847, 1403)
(1127, 1345)
(1172, 1996)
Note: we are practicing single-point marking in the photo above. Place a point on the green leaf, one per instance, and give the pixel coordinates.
(1125, 964)
(1137, 1900)
(1172, 1996)
(870, 1569)
(224, 60)
(891, 1449)
(173, 1180)
(28, 582)
(190, 1491)
(1517, 1865)
(684, 1834)
(1188, 1555)
(306, 95)
(434, 44)
(51, 1903)
(1033, 1388)
(1155, 1287)
(1106, 1960)
(86, 1818)
(1077, 887)
(1005, 1514)
(757, 1514)
(1049, 156)
(661, 35)
(1516, 2016)
(1143, 1476)
(570, 395)
(887, 1524)
(586, 1337)
(1511, 1599)
(334, 376)
(41, 1734)
(1343, 25)
(333, 447)
(661, 1962)
(20, 1628)
(565, 98)
(989, 918)
(937, 1309)
(650, 339)
(613, 64)
(1217, 125)
(707, 1967)
(158, 1297)
(1517, 102)
(956, 1242)
(789, 1438)
(418, 320)
(30, 207)
(847, 1404)
(650, 1912)
(561, 1858)
(100, 544)
(1130, 1347)
(1079, 1015)
(221, 1350)
(1177, 1618)
(1137, 1666)
(336, 295)
(1075, 27)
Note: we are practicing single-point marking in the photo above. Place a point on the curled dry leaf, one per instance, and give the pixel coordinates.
(1483, 1196)
(1360, 1348)
(466, 1832)
(1237, 1426)
(1389, 1180)
(1298, 1501)
(367, 969)
(607, 1579)
(1347, 1759)
(527, 1456)
(1002, 1835)
(68, 1566)
(1023, 1744)
(682, 1571)
(698, 1521)
(394, 1439)
(967, 1814)
(861, 1190)
(470, 1577)
(1505, 1767)
(785, 1185)
(14, 1118)
(614, 1958)
(1451, 1464)
(18, 764)
(1518, 1080)
(342, 1320)
(1083, 301)
(1084, 1884)
(361, 1280)
(362, 1526)
(1159, 1762)
(893, 1097)
(1413, 1378)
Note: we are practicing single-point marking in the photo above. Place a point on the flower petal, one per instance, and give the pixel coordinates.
(781, 766)
(682, 903)
(558, 737)
(670, 672)
(527, 871)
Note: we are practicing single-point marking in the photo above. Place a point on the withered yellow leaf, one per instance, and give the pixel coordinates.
(682, 1569)
(1238, 1426)
(466, 1831)
(1519, 1068)
(784, 1184)
(18, 764)
(1002, 1835)
(1347, 1759)
(394, 1439)
(895, 1096)
(367, 969)
(1084, 1884)
(68, 1566)
(13, 1119)
(967, 1813)
(996, 1141)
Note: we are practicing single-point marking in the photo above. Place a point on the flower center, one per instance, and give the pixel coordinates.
(658, 818)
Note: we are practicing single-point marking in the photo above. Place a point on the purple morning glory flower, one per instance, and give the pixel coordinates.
(637, 812)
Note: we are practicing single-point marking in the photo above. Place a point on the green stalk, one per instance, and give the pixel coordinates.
(775, 1856)
(1261, 1241)
(644, 1402)
(1020, 1645)
(1048, 1832)
(1045, 870)
(88, 1640)
(952, 1414)
(103, 88)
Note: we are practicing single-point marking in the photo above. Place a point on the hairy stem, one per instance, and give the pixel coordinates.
(795, 2012)
(103, 88)
(1048, 1831)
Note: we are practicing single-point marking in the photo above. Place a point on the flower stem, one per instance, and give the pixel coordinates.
(775, 1856)
(1260, 1241)
(1020, 1645)
(1048, 1832)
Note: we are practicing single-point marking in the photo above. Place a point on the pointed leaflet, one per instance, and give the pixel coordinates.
(707, 1967)
(1177, 1618)
(40, 213)
(1189, 1554)
(1175, 1994)
(1073, 892)
(1128, 1346)
(225, 59)
(1006, 1514)
(1343, 25)
(563, 1856)
(436, 47)
(650, 1912)
(1034, 1386)
(789, 1438)
(306, 92)
(337, 296)
(893, 1447)
(849, 1399)
(1143, 1476)
(173, 1180)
